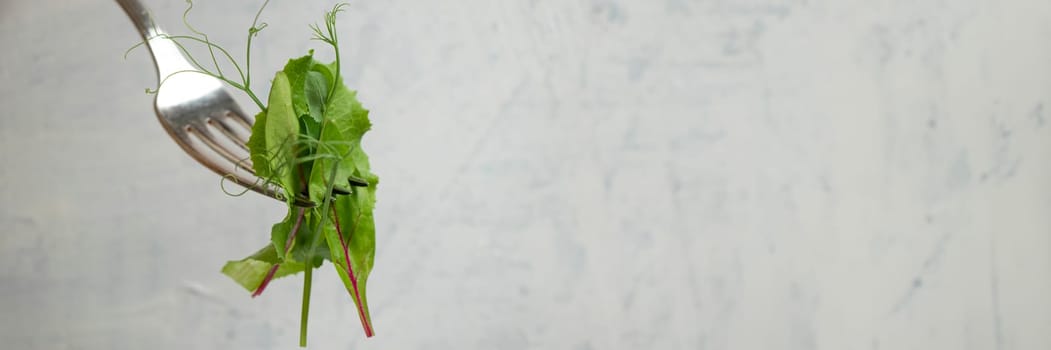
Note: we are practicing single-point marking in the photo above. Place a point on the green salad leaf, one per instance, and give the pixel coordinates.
(251, 271)
(308, 141)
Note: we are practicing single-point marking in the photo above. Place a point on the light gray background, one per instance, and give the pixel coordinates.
(669, 174)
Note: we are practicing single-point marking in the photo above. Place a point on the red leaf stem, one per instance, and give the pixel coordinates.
(288, 244)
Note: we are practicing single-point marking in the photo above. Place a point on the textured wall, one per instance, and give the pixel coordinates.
(671, 174)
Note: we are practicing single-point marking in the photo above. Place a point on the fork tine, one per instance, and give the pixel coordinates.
(198, 148)
(241, 118)
(227, 129)
(201, 131)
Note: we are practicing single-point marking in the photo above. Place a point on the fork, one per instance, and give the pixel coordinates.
(198, 113)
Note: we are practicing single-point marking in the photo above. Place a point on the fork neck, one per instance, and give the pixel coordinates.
(167, 56)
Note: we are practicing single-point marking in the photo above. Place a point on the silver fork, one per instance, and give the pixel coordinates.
(198, 113)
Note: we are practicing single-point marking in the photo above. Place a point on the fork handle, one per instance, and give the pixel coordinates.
(167, 56)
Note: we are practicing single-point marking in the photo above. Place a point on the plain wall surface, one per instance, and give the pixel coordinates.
(577, 175)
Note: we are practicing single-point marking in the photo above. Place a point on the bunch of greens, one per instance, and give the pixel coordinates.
(307, 141)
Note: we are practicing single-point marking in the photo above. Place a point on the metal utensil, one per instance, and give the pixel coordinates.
(197, 112)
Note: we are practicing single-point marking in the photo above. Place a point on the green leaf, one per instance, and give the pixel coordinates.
(304, 242)
(316, 90)
(250, 271)
(330, 153)
(352, 246)
(296, 69)
(282, 132)
(280, 231)
(257, 147)
(353, 119)
(345, 122)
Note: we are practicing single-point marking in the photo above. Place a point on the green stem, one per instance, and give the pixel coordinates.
(200, 68)
(305, 313)
(310, 259)
(262, 107)
(248, 53)
(336, 80)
